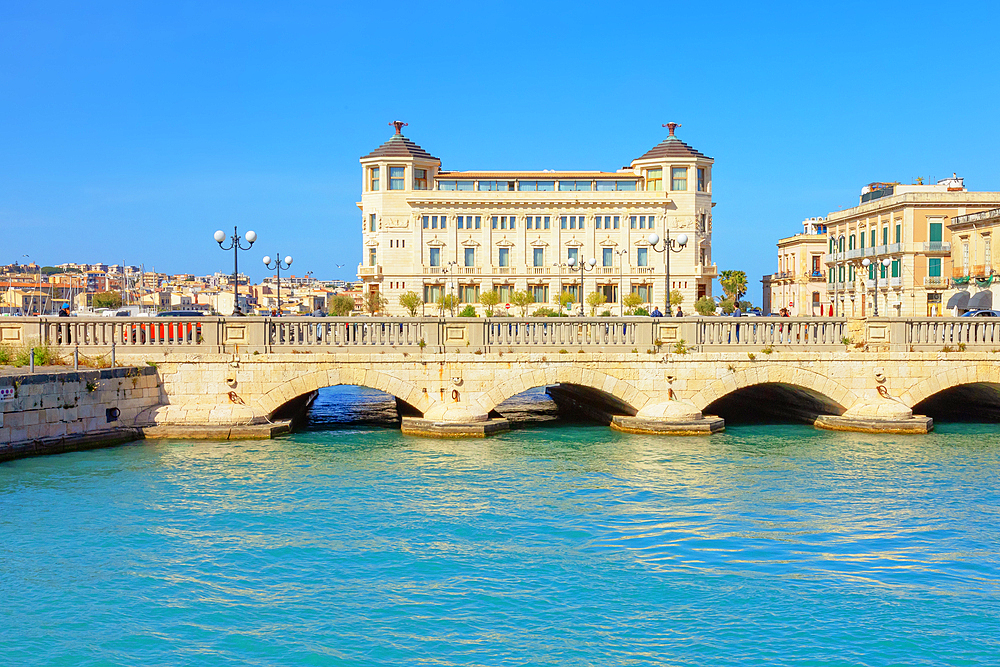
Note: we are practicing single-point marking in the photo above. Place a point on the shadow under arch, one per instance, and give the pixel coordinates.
(288, 394)
(774, 393)
(619, 395)
(969, 402)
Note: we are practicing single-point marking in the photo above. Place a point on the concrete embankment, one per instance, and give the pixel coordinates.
(54, 410)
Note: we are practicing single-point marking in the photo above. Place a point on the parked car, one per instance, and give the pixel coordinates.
(169, 331)
(981, 313)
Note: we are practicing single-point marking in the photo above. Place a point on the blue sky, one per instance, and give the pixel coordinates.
(132, 131)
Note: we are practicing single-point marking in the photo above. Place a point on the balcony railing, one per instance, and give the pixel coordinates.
(470, 270)
(896, 281)
(709, 271)
(538, 270)
(369, 270)
(937, 247)
(935, 281)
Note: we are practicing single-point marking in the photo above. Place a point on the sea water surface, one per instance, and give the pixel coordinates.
(554, 544)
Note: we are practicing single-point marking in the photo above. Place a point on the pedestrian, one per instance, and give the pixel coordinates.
(680, 313)
(656, 312)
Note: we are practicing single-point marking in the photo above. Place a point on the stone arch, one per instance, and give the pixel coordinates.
(966, 374)
(270, 401)
(791, 376)
(586, 377)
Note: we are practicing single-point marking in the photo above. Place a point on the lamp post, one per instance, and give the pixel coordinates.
(449, 271)
(277, 266)
(885, 264)
(582, 267)
(235, 246)
(621, 286)
(669, 245)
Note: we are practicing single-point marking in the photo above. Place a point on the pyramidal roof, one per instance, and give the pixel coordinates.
(671, 147)
(399, 146)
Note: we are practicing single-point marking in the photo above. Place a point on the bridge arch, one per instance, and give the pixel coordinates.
(574, 375)
(309, 381)
(821, 390)
(970, 374)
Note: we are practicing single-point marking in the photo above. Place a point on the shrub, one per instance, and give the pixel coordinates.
(680, 347)
(751, 356)
(341, 305)
(468, 311)
(704, 306)
(631, 302)
(768, 350)
(545, 311)
(489, 300)
(605, 313)
(6, 354)
(641, 311)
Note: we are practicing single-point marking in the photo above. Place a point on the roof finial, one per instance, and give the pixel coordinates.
(400, 125)
(671, 127)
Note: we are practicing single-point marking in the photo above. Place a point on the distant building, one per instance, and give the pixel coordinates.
(799, 285)
(973, 256)
(907, 228)
(435, 232)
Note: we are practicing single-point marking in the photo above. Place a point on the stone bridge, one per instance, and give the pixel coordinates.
(664, 375)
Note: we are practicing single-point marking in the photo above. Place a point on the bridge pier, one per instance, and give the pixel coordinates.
(669, 418)
(453, 420)
(884, 417)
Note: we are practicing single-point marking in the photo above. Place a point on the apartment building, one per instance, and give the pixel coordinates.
(800, 282)
(891, 255)
(974, 260)
(437, 232)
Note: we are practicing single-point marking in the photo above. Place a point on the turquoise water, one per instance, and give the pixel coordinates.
(550, 545)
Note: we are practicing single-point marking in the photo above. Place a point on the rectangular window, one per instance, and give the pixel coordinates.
(873, 238)
(419, 179)
(645, 292)
(895, 268)
(505, 291)
(899, 233)
(496, 221)
(861, 239)
(435, 256)
(479, 221)
(934, 267)
(632, 221)
(574, 254)
(503, 257)
(607, 257)
(373, 180)
(654, 179)
(427, 222)
(536, 186)
(642, 257)
(701, 179)
(563, 221)
(885, 236)
(468, 293)
(871, 272)
(432, 293)
(965, 259)
(538, 256)
(470, 256)
(468, 221)
(461, 186)
(371, 222)
(372, 257)
(678, 178)
(840, 274)
(575, 186)
(541, 293)
(935, 232)
(396, 176)
(460, 222)
(572, 289)
(496, 186)
(619, 186)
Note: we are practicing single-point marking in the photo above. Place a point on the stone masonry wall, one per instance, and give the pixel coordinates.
(56, 408)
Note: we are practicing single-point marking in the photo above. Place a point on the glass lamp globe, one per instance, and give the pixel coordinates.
(592, 261)
(288, 260)
(219, 236)
(267, 259)
(682, 239)
(251, 236)
(571, 261)
(653, 239)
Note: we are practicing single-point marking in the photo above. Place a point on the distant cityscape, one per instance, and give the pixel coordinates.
(31, 289)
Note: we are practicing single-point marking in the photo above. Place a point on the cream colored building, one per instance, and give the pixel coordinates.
(799, 285)
(974, 262)
(439, 232)
(905, 227)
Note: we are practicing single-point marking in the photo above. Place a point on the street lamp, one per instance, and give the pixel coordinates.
(449, 270)
(885, 263)
(669, 245)
(235, 246)
(621, 285)
(582, 267)
(277, 266)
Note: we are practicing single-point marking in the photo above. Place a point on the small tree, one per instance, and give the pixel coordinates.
(704, 306)
(375, 302)
(676, 298)
(565, 299)
(489, 300)
(411, 301)
(107, 300)
(727, 306)
(596, 300)
(447, 302)
(522, 299)
(468, 311)
(341, 305)
(631, 301)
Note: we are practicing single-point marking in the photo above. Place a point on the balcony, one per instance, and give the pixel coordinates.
(935, 281)
(854, 254)
(606, 271)
(936, 248)
(469, 270)
(538, 270)
(816, 276)
(369, 271)
(703, 271)
(641, 270)
(896, 282)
